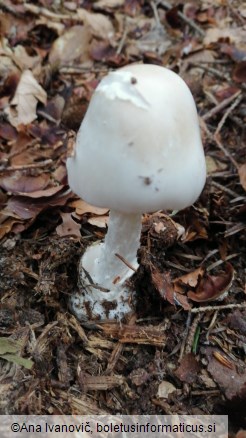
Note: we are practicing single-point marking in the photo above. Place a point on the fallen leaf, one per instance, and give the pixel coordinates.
(230, 380)
(213, 165)
(109, 4)
(163, 285)
(8, 345)
(8, 350)
(237, 321)
(24, 208)
(236, 53)
(22, 109)
(72, 45)
(214, 34)
(165, 388)
(191, 279)
(239, 72)
(241, 434)
(99, 25)
(242, 175)
(188, 369)
(99, 221)
(212, 287)
(47, 193)
(21, 183)
(82, 207)
(23, 60)
(139, 376)
(68, 227)
(26, 363)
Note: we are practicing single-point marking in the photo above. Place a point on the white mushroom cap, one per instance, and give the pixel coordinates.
(139, 147)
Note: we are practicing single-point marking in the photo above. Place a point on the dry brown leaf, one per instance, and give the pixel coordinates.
(235, 34)
(22, 109)
(242, 175)
(212, 287)
(230, 380)
(191, 279)
(109, 4)
(239, 72)
(188, 369)
(99, 221)
(82, 207)
(46, 193)
(100, 26)
(213, 165)
(72, 45)
(162, 283)
(68, 227)
(22, 183)
(23, 60)
(165, 388)
(241, 434)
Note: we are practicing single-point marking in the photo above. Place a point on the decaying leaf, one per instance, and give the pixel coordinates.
(229, 379)
(188, 369)
(72, 45)
(162, 283)
(165, 388)
(242, 175)
(236, 35)
(212, 287)
(82, 207)
(68, 227)
(23, 60)
(99, 221)
(100, 26)
(22, 109)
(239, 72)
(19, 183)
(9, 349)
(191, 279)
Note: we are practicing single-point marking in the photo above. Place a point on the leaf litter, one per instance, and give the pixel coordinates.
(184, 350)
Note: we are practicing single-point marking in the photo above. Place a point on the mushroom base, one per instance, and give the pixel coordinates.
(94, 301)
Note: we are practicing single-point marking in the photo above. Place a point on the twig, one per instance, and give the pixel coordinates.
(156, 15)
(227, 113)
(222, 307)
(220, 106)
(37, 10)
(186, 332)
(191, 334)
(225, 189)
(220, 262)
(126, 262)
(225, 151)
(28, 166)
(187, 20)
(123, 39)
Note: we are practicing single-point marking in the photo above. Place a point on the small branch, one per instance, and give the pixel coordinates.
(227, 113)
(183, 17)
(126, 262)
(123, 39)
(220, 106)
(28, 166)
(222, 307)
(225, 189)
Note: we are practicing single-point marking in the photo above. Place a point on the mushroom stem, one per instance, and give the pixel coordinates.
(104, 292)
(123, 238)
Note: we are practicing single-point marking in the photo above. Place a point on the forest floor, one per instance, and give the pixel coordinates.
(183, 352)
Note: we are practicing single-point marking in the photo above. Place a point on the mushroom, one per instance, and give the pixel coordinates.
(138, 150)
